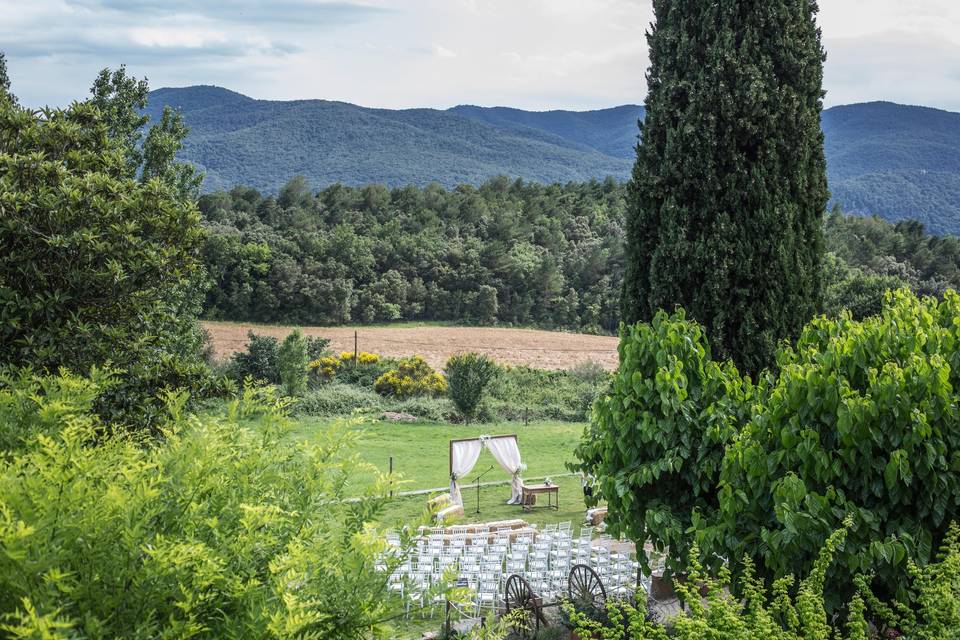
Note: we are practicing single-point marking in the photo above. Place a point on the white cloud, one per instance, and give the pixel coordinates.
(167, 37)
(402, 53)
(442, 52)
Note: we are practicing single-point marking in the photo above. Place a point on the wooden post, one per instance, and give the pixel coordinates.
(356, 351)
(391, 473)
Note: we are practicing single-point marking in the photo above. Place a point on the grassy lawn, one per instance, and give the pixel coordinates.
(421, 455)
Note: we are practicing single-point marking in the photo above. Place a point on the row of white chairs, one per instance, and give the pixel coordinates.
(483, 563)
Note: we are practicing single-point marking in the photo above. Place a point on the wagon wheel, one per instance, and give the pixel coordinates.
(519, 595)
(585, 588)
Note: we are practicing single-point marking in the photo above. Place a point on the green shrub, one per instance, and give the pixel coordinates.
(776, 615)
(96, 266)
(292, 361)
(425, 408)
(222, 530)
(338, 399)
(657, 441)
(316, 346)
(258, 361)
(468, 376)
(861, 421)
(590, 372)
(523, 393)
(412, 377)
(366, 375)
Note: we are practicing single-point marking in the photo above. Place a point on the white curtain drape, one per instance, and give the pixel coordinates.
(463, 457)
(507, 453)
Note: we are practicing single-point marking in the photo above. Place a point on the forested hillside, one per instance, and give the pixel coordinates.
(896, 161)
(507, 252)
(237, 140)
(899, 162)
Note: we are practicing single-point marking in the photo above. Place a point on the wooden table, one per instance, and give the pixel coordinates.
(529, 493)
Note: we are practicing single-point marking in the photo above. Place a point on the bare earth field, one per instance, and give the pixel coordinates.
(540, 349)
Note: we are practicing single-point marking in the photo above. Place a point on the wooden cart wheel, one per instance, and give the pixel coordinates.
(585, 588)
(520, 596)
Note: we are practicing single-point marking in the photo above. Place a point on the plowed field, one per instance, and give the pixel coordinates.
(540, 349)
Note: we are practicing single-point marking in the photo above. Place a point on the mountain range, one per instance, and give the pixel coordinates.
(893, 160)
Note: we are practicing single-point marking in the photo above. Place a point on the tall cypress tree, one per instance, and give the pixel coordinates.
(729, 188)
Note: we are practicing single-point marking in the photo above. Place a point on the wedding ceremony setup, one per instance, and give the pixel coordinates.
(512, 565)
(465, 453)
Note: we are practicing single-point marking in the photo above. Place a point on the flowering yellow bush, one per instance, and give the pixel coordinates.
(362, 358)
(412, 377)
(325, 368)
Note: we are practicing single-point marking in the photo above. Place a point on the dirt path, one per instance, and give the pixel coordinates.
(540, 349)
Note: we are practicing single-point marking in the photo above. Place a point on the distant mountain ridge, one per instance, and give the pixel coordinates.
(894, 160)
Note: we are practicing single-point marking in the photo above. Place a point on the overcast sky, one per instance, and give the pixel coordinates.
(534, 54)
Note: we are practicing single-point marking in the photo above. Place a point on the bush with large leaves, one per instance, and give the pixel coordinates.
(657, 440)
(96, 266)
(861, 420)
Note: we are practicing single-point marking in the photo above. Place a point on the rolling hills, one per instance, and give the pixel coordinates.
(894, 160)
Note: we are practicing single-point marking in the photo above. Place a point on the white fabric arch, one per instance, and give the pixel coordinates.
(465, 453)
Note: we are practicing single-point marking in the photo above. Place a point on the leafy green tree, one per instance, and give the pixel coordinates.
(160, 148)
(468, 376)
(657, 440)
(121, 100)
(5, 80)
(222, 530)
(729, 188)
(861, 421)
(292, 361)
(96, 266)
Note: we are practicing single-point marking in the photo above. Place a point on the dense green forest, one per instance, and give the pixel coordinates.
(507, 252)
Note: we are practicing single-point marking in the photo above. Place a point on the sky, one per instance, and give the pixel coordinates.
(532, 54)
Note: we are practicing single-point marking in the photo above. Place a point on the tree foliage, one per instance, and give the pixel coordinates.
(508, 252)
(776, 614)
(867, 256)
(468, 376)
(729, 188)
(860, 421)
(96, 266)
(121, 100)
(657, 439)
(292, 363)
(218, 531)
(5, 91)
